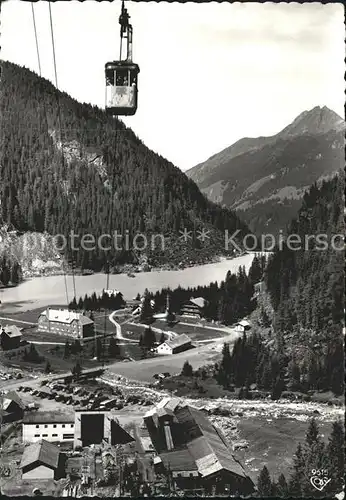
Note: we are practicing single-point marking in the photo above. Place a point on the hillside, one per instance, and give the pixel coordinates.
(92, 175)
(264, 179)
(308, 300)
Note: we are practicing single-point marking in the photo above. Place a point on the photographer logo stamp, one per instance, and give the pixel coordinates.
(319, 479)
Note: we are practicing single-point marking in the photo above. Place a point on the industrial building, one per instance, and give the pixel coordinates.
(194, 307)
(65, 322)
(194, 450)
(98, 427)
(176, 344)
(50, 426)
(41, 460)
(11, 337)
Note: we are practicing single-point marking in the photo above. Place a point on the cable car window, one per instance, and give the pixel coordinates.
(133, 78)
(121, 77)
(110, 77)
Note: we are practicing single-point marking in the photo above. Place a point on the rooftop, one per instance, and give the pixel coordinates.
(12, 396)
(199, 301)
(46, 417)
(178, 341)
(206, 449)
(178, 460)
(42, 451)
(65, 316)
(11, 331)
(243, 322)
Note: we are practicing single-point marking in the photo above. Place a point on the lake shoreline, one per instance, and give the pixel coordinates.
(43, 291)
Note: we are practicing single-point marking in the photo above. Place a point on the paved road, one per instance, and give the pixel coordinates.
(19, 321)
(117, 325)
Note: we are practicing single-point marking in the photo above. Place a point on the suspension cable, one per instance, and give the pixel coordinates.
(36, 39)
(62, 148)
(110, 228)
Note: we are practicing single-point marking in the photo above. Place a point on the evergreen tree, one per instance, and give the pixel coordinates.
(336, 456)
(67, 349)
(149, 338)
(297, 478)
(187, 370)
(114, 348)
(282, 487)
(146, 310)
(76, 370)
(264, 484)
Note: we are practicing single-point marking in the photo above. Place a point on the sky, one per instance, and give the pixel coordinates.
(210, 74)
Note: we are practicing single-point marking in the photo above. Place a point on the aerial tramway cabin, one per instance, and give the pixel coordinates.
(122, 75)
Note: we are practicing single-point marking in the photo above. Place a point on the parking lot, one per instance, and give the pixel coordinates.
(87, 395)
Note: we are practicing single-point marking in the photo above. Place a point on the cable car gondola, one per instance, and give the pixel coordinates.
(122, 75)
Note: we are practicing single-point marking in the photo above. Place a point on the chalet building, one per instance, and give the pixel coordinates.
(176, 344)
(194, 450)
(11, 337)
(194, 308)
(12, 407)
(41, 460)
(65, 322)
(50, 426)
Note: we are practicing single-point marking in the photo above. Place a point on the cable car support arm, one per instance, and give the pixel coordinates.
(125, 32)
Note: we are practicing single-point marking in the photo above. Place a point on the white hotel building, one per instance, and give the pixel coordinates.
(51, 426)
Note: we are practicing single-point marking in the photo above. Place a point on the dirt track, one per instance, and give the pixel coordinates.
(144, 370)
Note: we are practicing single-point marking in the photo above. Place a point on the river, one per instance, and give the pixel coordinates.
(50, 290)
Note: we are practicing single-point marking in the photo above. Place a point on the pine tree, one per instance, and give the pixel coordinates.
(297, 478)
(187, 370)
(336, 456)
(114, 348)
(76, 370)
(264, 484)
(282, 487)
(67, 349)
(146, 311)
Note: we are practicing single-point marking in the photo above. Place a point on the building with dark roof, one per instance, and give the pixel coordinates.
(11, 337)
(12, 407)
(65, 322)
(41, 460)
(98, 427)
(179, 430)
(176, 344)
(243, 326)
(194, 307)
(50, 426)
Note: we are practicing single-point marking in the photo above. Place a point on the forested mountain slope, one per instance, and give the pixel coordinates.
(61, 183)
(307, 287)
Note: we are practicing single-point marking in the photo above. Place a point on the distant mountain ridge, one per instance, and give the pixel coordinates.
(265, 178)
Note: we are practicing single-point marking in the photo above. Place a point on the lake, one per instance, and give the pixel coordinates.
(50, 290)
